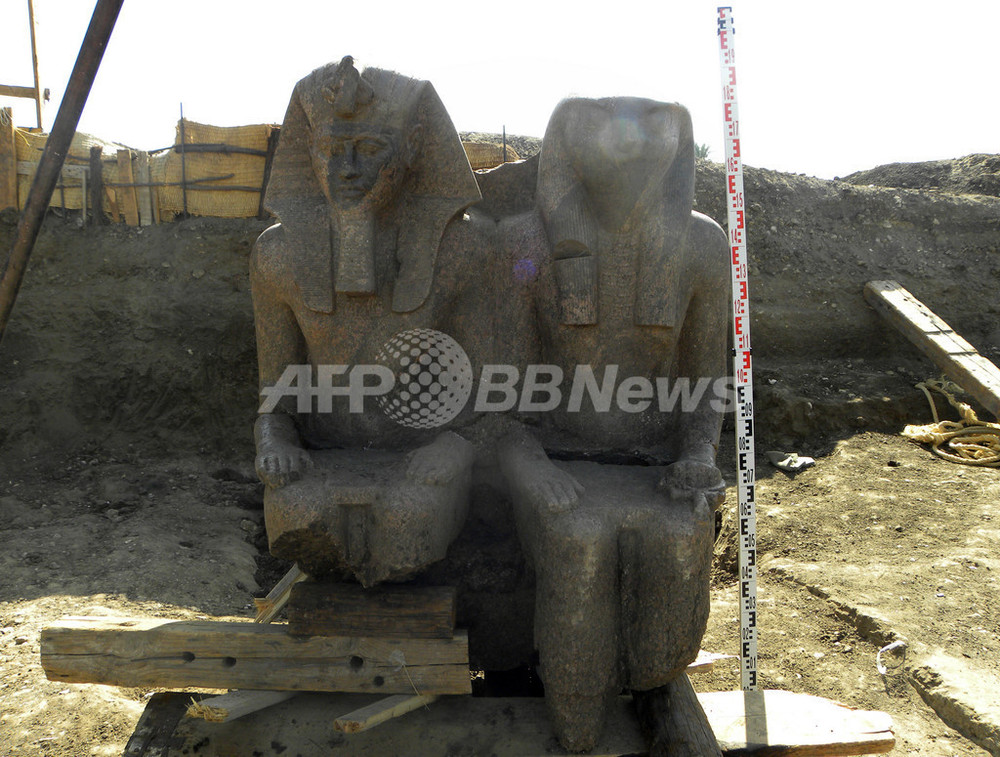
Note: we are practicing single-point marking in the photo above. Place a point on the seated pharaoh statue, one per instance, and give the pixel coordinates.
(360, 293)
(612, 471)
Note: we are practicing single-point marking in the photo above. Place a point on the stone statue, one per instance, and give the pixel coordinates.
(383, 294)
(374, 253)
(624, 307)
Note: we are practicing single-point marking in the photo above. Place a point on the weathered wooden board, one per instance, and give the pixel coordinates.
(935, 338)
(235, 704)
(519, 727)
(332, 609)
(126, 195)
(780, 723)
(233, 655)
(144, 194)
(268, 607)
(8, 160)
(380, 712)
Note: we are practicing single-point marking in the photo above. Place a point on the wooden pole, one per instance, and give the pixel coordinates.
(184, 194)
(272, 145)
(8, 160)
(102, 23)
(34, 63)
(96, 185)
(145, 194)
(126, 193)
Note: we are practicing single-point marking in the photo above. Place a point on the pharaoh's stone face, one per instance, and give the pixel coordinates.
(357, 165)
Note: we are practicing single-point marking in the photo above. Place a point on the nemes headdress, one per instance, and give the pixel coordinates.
(439, 183)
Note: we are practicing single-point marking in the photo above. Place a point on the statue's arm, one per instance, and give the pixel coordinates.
(702, 354)
(280, 455)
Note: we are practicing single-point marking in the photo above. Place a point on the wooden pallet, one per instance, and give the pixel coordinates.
(796, 725)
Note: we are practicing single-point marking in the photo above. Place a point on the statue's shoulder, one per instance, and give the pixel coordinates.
(269, 256)
(706, 233)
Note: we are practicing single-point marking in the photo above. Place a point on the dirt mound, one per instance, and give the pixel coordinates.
(128, 392)
(975, 174)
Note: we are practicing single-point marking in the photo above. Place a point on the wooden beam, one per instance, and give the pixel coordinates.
(8, 160)
(269, 607)
(936, 339)
(144, 194)
(27, 168)
(6, 90)
(231, 655)
(32, 27)
(799, 725)
(126, 194)
(236, 704)
(381, 711)
(674, 722)
(329, 609)
(794, 724)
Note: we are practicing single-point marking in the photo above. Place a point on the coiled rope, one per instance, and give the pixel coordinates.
(969, 441)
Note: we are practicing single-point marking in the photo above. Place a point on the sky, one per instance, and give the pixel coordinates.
(824, 88)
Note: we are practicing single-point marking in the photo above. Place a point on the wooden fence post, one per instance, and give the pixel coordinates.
(97, 185)
(126, 194)
(8, 160)
(145, 194)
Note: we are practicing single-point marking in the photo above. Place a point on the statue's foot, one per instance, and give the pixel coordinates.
(280, 463)
(578, 719)
(441, 461)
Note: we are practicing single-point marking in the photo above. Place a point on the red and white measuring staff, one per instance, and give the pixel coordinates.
(742, 368)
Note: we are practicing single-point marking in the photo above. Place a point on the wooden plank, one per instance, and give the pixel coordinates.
(144, 194)
(236, 704)
(381, 711)
(672, 715)
(782, 723)
(520, 727)
(327, 609)
(126, 195)
(32, 28)
(7, 90)
(27, 168)
(154, 732)
(234, 655)
(8, 160)
(269, 606)
(936, 339)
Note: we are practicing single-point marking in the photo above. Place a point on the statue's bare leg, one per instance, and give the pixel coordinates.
(280, 456)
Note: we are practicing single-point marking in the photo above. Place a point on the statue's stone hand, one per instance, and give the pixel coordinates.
(439, 462)
(686, 477)
(281, 463)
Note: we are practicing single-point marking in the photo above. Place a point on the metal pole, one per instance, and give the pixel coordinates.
(81, 80)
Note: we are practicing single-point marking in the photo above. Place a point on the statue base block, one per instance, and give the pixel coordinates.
(357, 515)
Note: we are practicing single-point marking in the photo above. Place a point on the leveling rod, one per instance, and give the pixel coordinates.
(742, 362)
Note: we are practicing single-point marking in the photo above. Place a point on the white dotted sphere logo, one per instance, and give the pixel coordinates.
(433, 378)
